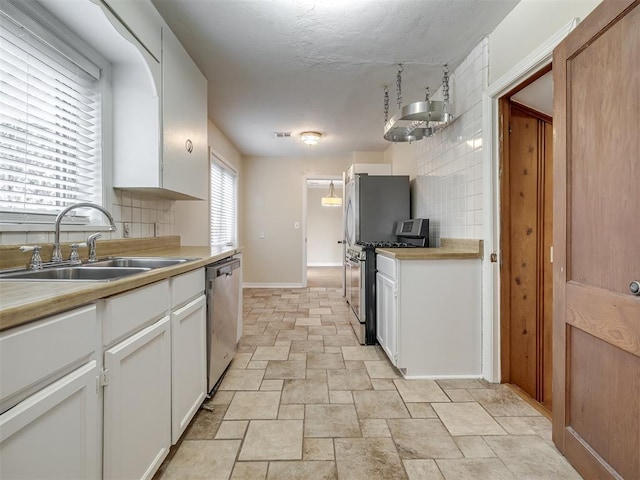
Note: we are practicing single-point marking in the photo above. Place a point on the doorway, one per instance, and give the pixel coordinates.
(323, 251)
(526, 296)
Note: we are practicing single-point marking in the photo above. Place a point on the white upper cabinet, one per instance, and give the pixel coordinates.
(159, 112)
(142, 20)
(184, 116)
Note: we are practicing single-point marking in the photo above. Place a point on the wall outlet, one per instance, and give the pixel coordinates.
(126, 230)
(261, 235)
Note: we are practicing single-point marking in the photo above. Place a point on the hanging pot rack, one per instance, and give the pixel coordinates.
(417, 120)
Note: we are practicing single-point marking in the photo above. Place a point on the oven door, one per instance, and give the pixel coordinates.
(355, 296)
(353, 276)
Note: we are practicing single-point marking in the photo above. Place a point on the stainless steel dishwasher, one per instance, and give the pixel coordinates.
(223, 297)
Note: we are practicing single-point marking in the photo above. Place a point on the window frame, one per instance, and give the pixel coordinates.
(215, 158)
(39, 22)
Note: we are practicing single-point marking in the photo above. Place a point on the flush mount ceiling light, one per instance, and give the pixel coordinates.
(311, 138)
(419, 119)
(332, 200)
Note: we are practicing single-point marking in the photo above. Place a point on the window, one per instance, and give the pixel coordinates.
(223, 211)
(50, 119)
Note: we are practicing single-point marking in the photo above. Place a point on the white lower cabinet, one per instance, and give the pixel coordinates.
(429, 316)
(49, 398)
(387, 315)
(188, 364)
(55, 432)
(137, 403)
(103, 390)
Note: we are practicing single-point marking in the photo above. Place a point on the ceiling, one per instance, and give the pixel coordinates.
(538, 95)
(296, 65)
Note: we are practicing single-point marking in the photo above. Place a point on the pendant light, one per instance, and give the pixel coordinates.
(332, 200)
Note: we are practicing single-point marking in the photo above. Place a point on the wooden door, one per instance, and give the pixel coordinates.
(526, 275)
(596, 417)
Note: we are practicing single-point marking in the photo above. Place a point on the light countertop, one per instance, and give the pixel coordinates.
(450, 248)
(25, 301)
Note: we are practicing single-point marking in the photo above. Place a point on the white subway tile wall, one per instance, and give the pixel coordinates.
(141, 211)
(448, 187)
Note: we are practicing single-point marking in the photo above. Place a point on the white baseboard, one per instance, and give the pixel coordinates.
(272, 285)
(443, 377)
(329, 264)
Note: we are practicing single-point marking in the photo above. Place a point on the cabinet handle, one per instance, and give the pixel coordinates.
(635, 287)
(189, 145)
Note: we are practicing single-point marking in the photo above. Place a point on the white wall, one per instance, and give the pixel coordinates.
(324, 229)
(450, 181)
(447, 167)
(272, 197)
(403, 157)
(527, 26)
(192, 217)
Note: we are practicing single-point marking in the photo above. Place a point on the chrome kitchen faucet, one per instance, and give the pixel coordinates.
(57, 255)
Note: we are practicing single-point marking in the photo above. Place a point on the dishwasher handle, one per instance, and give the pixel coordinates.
(226, 268)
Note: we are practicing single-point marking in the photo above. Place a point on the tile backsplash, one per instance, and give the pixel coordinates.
(448, 186)
(141, 211)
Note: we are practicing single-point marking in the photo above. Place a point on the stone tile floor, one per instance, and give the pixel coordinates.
(303, 400)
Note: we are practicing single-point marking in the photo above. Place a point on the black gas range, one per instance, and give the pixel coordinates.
(360, 264)
(387, 244)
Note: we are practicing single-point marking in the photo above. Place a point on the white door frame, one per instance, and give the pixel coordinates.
(304, 217)
(531, 64)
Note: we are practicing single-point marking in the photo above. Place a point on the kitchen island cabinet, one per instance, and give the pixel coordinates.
(429, 315)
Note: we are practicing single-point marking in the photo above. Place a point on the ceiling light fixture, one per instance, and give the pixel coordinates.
(332, 200)
(311, 138)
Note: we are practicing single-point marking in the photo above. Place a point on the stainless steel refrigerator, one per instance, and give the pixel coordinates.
(373, 205)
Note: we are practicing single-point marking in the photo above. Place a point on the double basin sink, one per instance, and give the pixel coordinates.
(101, 271)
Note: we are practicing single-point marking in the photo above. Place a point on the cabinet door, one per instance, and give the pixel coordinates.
(55, 432)
(184, 114)
(386, 306)
(188, 364)
(137, 403)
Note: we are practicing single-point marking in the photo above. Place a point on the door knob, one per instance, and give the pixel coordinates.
(635, 287)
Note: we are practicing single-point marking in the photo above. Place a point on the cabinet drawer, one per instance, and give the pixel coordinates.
(186, 286)
(386, 265)
(33, 352)
(130, 311)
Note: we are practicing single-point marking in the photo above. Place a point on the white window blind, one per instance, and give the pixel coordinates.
(49, 123)
(223, 214)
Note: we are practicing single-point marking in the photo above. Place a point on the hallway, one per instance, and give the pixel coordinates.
(302, 400)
